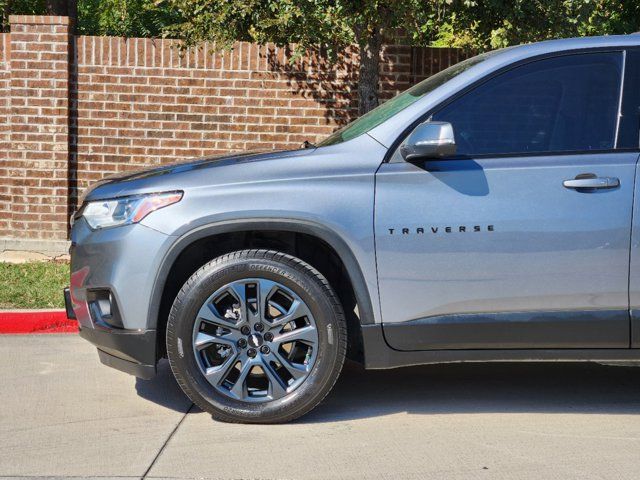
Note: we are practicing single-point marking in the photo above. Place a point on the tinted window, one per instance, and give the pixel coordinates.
(398, 103)
(566, 103)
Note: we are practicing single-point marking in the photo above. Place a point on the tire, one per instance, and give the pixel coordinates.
(203, 346)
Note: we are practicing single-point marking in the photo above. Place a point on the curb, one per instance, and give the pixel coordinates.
(36, 321)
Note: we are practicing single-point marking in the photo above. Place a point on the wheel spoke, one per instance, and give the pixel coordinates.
(210, 314)
(239, 388)
(264, 291)
(238, 290)
(216, 375)
(295, 370)
(232, 336)
(306, 334)
(298, 309)
(203, 340)
(277, 388)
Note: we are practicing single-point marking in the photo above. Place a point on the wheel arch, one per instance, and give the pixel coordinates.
(331, 238)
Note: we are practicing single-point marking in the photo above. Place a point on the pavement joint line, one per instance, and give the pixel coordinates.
(166, 442)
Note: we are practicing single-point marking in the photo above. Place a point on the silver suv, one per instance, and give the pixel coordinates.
(485, 214)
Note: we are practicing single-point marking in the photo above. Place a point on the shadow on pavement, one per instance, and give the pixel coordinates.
(163, 389)
(456, 389)
(482, 388)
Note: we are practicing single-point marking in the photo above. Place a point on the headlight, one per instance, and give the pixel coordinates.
(125, 210)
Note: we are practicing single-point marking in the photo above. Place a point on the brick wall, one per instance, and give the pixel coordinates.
(5, 108)
(140, 103)
(38, 153)
(75, 108)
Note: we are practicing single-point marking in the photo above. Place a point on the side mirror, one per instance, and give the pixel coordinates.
(429, 140)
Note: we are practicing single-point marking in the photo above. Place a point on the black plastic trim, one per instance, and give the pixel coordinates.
(629, 127)
(512, 330)
(378, 355)
(145, 372)
(489, 156)
(296, 226)
(103, 308)
(136, 347)
(635, 328)
(71, 315)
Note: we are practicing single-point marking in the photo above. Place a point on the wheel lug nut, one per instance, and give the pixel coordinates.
(268, 336)
(264, 349)
(242, 343)
(252, 352)
(245, 330)
(259, 327)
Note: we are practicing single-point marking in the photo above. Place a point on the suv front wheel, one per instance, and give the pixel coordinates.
(256, 336)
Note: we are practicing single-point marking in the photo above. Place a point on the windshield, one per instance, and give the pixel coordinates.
(388, 109)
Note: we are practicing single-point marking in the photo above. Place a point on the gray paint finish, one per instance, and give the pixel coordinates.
(551, 248)
(130, 279)
(539, 246)
(331, 187)
(634, 267)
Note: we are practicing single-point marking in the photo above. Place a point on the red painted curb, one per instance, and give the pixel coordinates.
(45, 321)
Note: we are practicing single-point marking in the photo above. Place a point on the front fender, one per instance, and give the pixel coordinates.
(364, 291)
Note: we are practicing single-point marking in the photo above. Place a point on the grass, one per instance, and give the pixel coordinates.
(33, 284)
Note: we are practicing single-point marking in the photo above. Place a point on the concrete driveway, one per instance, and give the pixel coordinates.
(63, 414)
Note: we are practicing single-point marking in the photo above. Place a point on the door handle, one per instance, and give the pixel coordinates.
(589, 181)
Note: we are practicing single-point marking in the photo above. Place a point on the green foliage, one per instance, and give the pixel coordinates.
(127, 18)
(310, 24)
(20, 7)
(123, 18)
(24, 7)
(33, 285)
(332, 24)
(488, 24)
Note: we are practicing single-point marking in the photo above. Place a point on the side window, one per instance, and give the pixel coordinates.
(560, 104)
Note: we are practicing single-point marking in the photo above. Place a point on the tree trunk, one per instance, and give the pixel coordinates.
(369, 73)
(64, 8)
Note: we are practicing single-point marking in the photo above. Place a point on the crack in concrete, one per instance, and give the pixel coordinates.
(173, 432)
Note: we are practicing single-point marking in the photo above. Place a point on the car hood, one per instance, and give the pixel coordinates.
(243, 171)
(178, 175)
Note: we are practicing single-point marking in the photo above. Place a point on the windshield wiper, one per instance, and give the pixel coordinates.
(308, 144)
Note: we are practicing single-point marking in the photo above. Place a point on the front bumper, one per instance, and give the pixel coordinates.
(129, 351)
(112, 277)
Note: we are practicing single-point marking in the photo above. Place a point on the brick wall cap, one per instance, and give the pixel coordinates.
(38, 20)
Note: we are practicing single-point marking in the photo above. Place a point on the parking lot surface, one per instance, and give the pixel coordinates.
(64, 415)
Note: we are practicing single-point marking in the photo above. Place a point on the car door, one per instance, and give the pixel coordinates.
(522, 239)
